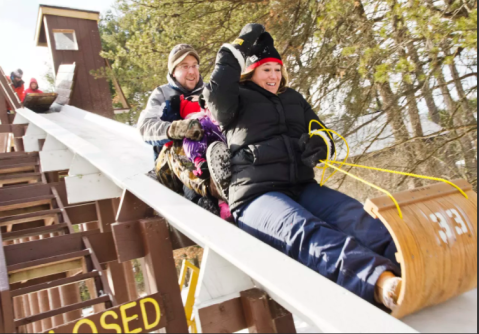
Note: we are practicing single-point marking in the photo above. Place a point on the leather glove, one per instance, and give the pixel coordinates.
(314, 149)
(248, 36)
(190, 129)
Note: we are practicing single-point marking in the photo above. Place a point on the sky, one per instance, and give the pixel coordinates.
(18, 20)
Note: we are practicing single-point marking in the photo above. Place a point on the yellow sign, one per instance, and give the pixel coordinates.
(143, 315)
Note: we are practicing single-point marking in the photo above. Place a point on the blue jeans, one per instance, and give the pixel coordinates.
(327, 231)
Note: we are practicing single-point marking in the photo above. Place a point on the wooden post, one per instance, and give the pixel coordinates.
(161, 271)
(70, 294)
(257, 312)
(116, 275)
(56, 303)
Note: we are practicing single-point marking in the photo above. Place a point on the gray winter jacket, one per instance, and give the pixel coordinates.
(158, 115)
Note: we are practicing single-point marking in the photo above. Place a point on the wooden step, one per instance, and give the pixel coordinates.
(29, 217)
(62, 310)
(18, 155)
(76, 264)
(54, 284)
(25, 203)
(46, 248)
(24, 191)
(16, 178)
(34, 232)
(18, 168)
(47, 261)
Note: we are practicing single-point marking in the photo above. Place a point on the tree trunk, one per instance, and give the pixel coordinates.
(468, 150)
(424, 83)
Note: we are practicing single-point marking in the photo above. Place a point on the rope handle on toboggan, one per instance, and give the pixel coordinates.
(329, 163)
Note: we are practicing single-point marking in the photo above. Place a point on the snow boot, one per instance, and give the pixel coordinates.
(388, 290)
(219, 162)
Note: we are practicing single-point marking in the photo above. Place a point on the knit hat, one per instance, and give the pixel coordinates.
(18, 73)
(178, 54)
(263, 52)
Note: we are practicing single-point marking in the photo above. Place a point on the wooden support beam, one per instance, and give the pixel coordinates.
(54, 283)
(46, 271)
(35, 310)
(257, 312)
(161, 271)
(106, 217)
(70, 295)
(227, 317)
(63, 310)
(32, 232)
(103, 246)
(82, 214)
(129, 240)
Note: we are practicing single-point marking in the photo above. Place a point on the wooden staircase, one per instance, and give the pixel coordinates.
(43, 248)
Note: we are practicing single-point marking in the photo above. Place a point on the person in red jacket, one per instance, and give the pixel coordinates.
(18, 84)
(32, 89)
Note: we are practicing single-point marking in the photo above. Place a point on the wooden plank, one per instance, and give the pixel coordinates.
(26, 203)
(66, 309)
(104, 247)
(227, 317)
(46, 248)
(20, 176)
(54, 283)
(45, 271)
(82, 214)
(145, 315)
(257, 312)
(161, 271)
(46, 261)
(16, 155)
(3, 110)
(283, 320)
(28, 217)
(22, 192)
(14, 162)
(41, 280)
(5, 143)
(34, 232)
(6, 306)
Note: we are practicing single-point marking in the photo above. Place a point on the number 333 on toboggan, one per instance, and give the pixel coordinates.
(143, 315)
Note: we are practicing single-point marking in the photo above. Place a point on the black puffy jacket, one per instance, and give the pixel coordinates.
(263, 131)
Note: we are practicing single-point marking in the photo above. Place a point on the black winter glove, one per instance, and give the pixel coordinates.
(314, 149)
(190, 129)
(248, 36)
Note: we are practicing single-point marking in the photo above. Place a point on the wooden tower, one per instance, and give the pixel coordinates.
(73, 37)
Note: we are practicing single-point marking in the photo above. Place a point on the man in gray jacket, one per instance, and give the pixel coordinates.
(161, 122)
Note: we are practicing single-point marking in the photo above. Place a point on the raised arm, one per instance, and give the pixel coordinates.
(222, 93)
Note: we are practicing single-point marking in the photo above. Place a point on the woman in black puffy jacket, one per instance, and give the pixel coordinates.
(273, 194)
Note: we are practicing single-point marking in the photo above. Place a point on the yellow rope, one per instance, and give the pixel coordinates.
(405, 174)
(330, 164)
(369, 184)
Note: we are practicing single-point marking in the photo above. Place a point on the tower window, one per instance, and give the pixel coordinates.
(65, 40)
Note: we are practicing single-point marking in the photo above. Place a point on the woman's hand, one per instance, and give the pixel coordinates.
(248, 36)
(315, 149)
(190, 129)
